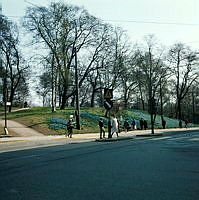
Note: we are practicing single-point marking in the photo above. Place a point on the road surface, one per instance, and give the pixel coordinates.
(151, 168)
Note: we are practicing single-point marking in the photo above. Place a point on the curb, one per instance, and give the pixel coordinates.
(114, 139)
(9, 141)
(5, 136)
(150, 135)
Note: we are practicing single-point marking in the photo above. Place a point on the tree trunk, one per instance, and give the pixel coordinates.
(141, 96)
(43, 100)
(93, 99)
(193, 106)
(142, 100)
(179, 111)
(63, 103)
(11, 100)
(125, 99)
(101, 98)
(161, 101)
(53, 106)
(152, 124)
(73, 101)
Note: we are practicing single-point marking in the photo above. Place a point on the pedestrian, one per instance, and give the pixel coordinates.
(109, 128)
(121, 118)
(133, 124)
(180, 123)
(119, 125)
(70, 126)
(186, 123)
(126, 125)
(145, 124)
(163, 124)
(137, 125)
(141, 124)
(114, 125)
(101, 126)
(25, 104)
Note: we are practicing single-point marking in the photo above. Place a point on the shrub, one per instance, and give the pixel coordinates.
(57, 123)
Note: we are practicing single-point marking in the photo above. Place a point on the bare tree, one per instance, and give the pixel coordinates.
(44, 87)
(66, 31)
(183, 66)
(14, 65)
(128, 77)
(152, 67)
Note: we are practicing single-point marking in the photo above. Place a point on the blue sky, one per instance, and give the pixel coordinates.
(139, 12)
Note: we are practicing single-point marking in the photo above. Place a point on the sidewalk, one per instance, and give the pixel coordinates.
(20, 129)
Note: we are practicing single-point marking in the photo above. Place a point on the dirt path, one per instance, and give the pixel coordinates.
(20, 129)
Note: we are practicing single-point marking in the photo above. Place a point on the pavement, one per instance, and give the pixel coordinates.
(20, 129)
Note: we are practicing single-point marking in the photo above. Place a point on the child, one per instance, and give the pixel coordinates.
(70, 126)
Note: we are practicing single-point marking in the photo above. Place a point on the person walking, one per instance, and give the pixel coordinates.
(186, 123)
(70, 126)
(114, 125)
(145, 124)
(163, 124)
(133, 124)
(101, 126)
(180, 123)
(141, 124)
(126, 125)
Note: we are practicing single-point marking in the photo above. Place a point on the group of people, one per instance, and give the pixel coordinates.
(143, 124)
(115, 125)
(186, 123)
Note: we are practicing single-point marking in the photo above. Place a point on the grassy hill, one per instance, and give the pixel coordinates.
(48, 123)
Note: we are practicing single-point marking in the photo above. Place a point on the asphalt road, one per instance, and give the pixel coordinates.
(158, 168)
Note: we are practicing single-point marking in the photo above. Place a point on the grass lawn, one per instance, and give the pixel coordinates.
(48, 123)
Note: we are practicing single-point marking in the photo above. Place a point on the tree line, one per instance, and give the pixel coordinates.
(67, 37)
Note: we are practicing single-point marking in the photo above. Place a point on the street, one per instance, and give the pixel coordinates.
(151, 168)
